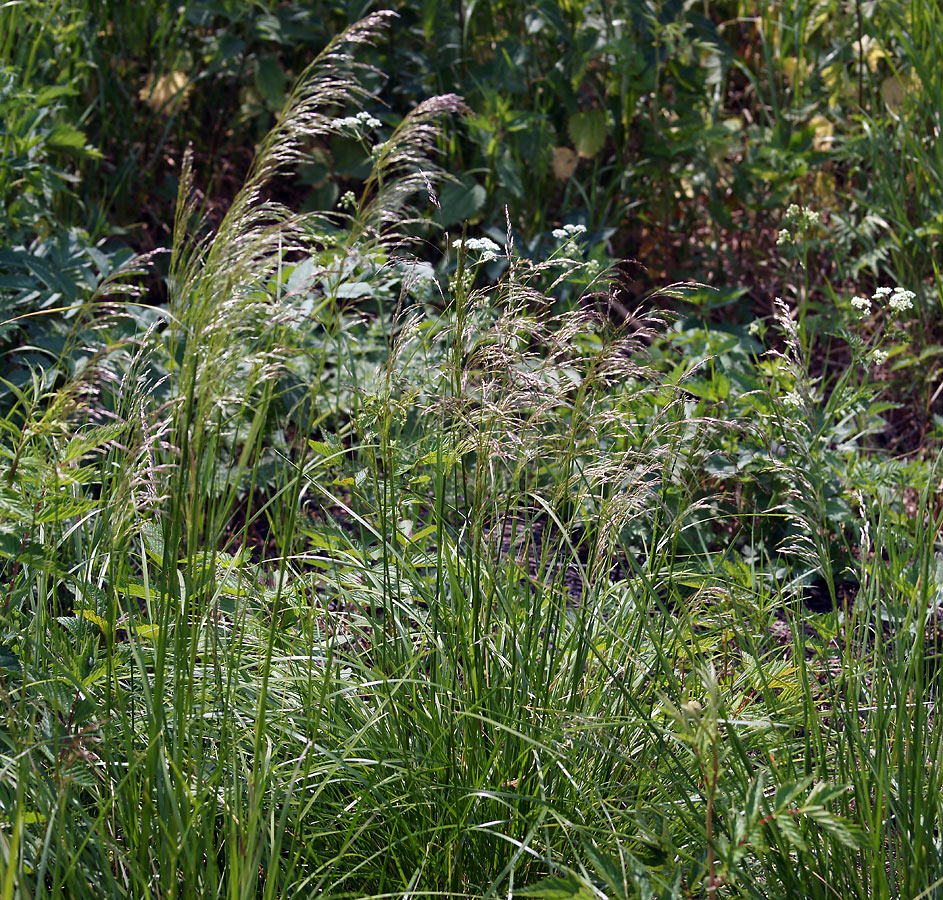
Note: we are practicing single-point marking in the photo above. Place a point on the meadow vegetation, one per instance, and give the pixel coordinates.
(477, 449)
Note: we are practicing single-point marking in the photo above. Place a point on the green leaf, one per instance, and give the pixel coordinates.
(588, 131)
(567, 887)
(459, 201)
(153, 540)
(790, 830)
(67, 139)
(46, 95)
(610, 870)
(270, 81)
(754, 796)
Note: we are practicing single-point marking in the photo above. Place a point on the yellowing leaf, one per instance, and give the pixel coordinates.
(94, 618)
(563, 162)
(893, 92)
(167, 93)
(824, 130)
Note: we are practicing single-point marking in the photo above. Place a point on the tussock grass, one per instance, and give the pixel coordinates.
(262, 637)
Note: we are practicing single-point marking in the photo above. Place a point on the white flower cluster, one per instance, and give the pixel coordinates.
(901, 300)
(488, 249)
(803, 216)
(567, 232)
(363, 120)
(792, 399)
(898, 300)
(803, 221)
(348, 200)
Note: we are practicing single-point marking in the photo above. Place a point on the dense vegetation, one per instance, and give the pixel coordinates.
(479, 449)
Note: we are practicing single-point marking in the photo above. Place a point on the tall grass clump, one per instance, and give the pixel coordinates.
(345, 575)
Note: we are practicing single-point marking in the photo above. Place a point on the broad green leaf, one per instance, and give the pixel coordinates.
(270, 81)
(588, 131)
(459, 201)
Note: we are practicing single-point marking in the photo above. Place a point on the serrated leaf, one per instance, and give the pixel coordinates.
(588, 131)
(790, 830)
(153, 540)
(94, 618)
(557, 887)
(610, 870)
(46, 95)
(67, 139)
(824, 793)
(787, 793)
(81, 444)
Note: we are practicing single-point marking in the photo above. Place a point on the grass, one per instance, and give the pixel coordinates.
(466, 596)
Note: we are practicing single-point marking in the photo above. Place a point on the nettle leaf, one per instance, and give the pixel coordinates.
(588, 131)
(69, 140)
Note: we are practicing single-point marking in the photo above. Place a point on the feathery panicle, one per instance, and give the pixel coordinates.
(403, 165)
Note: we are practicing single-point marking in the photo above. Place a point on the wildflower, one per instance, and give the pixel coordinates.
(567, 232)
(901, 300)
(862, 304)
(363, 120)
(488, 249)
(377, 151)
(880, 357)
(803, 220)
(756, 328)
(347, 200)
(881, 292)
(792, 399)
